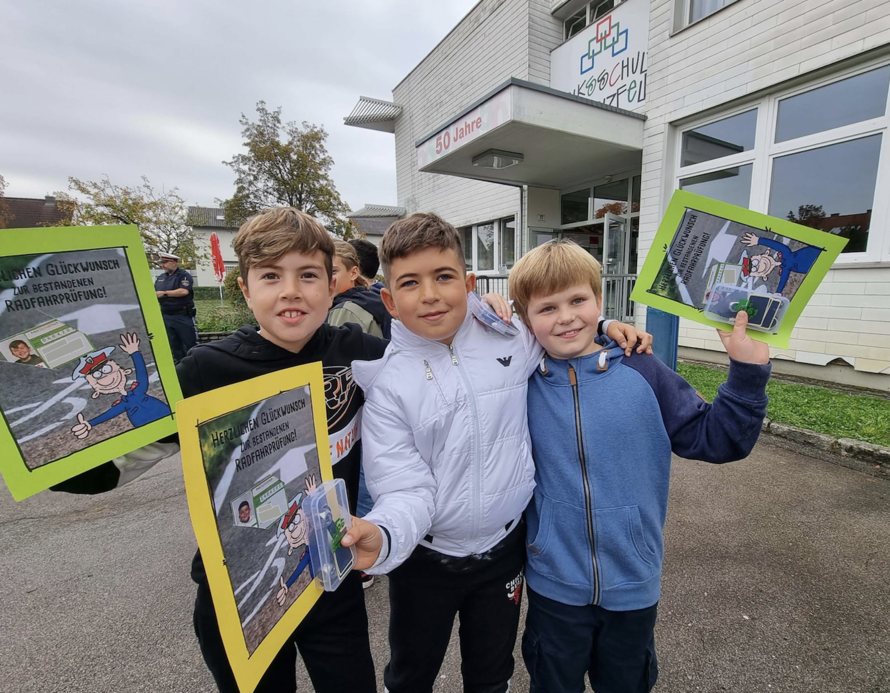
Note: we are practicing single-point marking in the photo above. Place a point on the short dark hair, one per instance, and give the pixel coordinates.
(16, 343)
(418, 232)
(244, 504)
(368, 260)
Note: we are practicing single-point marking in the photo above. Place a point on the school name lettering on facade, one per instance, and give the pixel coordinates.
(607, 61)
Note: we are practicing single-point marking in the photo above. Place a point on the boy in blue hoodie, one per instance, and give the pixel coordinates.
(595, 527)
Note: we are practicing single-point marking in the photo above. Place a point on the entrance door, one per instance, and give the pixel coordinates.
(619, 265)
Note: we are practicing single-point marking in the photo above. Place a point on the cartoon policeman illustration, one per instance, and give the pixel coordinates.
(106, 377)
(788, 261)
(296, 532)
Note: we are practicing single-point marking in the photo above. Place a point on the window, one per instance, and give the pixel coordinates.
(575, 206)
(588, 15)
(508, 243)
(732, 185)
(466, 240)
(699, 9)
(576, 23)
(814, 156)
(723, 138)
(592, 203)
(490, 247)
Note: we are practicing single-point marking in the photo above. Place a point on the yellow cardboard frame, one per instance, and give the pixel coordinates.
(195, 411)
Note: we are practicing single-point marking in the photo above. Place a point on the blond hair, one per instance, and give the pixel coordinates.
(549, 269)
(415, 233)
(347, 254)
(273, 233)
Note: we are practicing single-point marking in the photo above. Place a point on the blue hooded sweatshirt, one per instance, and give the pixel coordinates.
(603, 427)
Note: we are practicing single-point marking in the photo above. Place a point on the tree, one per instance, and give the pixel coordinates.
(6, 215)
(285, 164)
(808, 215)
(160, 216)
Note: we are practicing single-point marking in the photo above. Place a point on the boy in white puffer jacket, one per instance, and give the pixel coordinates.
(448, 462)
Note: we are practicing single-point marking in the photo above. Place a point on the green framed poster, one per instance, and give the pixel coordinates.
(86, 373)
(711, 259)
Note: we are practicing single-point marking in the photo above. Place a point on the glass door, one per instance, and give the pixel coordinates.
(618, 253)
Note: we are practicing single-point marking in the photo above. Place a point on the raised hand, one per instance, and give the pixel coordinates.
(82, 428)
(750, 239)
(130, 343)
(740, 346)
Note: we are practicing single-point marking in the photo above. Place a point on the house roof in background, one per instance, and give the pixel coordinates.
(378, 211)
(30, 213)
(213, 217)
(373, 226)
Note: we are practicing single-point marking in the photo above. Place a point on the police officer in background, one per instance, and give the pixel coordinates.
(175, 290)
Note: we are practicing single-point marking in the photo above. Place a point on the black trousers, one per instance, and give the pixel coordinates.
(181, 333)
(425, 594)
(332, 639)
(616, 649)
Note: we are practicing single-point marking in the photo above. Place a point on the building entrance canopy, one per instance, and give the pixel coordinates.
(526, 134)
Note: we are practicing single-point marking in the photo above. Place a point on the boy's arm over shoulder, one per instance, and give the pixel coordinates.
(399, 480)
(727, 429)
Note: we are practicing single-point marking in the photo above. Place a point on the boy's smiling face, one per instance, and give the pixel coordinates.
(428, 293)
(289, 297)
(565, 323)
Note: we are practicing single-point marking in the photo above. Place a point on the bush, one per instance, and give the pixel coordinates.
(231, 290)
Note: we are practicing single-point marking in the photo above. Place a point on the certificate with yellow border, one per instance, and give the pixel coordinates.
(86, 373)
(251, 453)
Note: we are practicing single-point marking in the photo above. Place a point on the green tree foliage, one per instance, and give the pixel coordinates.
(285, 164)
(160, 216)
(808, 215)
(6, 216)
(231, 290)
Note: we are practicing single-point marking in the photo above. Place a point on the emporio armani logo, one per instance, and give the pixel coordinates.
(505, 361)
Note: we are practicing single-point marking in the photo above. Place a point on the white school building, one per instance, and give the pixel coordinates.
(536, 119)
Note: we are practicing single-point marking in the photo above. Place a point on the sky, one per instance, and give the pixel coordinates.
(156, 89)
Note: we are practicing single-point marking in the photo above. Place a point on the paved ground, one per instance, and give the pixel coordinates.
(776, 580)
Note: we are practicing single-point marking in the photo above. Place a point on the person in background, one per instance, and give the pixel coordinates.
(368, 262)
(175, 291)
(354, 302)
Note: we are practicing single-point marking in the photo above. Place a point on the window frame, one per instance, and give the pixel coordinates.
(766, 151)
(497, 251)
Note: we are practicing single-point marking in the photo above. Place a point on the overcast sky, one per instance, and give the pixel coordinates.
(156, 88)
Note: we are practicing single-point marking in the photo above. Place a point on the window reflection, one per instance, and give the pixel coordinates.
(485, 249)
(849, 101)
(830, 188)
(575, 206)
(466, 240)
(610, 198)
(508, 243)
(723, 138)
(732, 185)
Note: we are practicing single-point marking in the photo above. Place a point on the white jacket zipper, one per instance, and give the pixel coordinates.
(477, 461)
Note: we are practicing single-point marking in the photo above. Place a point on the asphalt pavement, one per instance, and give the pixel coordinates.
(776, 579)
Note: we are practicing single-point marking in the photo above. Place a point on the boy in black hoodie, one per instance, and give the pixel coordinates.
(286, 276)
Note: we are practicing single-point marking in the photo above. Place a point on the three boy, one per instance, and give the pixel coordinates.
(446, 435)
